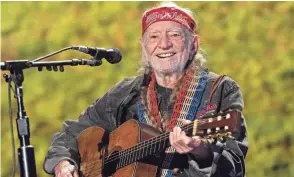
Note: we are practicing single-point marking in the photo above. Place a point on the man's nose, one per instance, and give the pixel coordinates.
(164, 42)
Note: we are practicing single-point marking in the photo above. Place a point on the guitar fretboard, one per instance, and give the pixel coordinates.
(143, 149)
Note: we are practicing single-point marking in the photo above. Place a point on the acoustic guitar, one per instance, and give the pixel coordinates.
(119, 153)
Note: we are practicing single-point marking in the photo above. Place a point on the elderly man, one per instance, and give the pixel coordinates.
(174, 87)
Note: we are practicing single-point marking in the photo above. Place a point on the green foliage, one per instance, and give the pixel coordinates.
(252, 42)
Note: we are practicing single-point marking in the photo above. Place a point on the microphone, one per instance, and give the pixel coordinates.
(112, 55)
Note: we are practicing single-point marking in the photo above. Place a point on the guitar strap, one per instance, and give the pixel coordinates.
(214, 87)
(209, 106)
(190, 103)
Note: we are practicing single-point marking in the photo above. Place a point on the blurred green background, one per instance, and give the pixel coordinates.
(252, 42)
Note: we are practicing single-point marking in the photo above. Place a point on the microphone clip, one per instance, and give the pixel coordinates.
(100, 54)
(93, 62)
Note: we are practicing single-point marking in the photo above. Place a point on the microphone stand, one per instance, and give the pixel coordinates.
(26, 157)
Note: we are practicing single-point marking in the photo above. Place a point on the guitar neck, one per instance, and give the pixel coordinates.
(218, 127)
(147, 148)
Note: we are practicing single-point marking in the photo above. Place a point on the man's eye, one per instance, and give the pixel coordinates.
(175, 34)
(153, 37)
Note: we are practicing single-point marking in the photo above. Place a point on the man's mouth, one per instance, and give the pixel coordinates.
(165, 55)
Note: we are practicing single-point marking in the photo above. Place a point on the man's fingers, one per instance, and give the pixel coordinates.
(71, 168)
(181, 142)
(186, 122)
(67, 171)
(76, 173)
(179, 148)
(171, 138)
(177, 133)
(196, 141)
(174, 144)
(64, 174)
(64, 169)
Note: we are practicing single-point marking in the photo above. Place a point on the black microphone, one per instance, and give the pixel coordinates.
(112, 55)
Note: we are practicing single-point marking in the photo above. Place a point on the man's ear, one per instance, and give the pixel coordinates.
(196, 42)
(141, 42)
(143, 51)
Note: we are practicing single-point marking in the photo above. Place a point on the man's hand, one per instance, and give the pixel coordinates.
(65, 169)
(182, 143)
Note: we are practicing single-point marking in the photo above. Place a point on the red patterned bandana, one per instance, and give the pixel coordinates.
(167, 14)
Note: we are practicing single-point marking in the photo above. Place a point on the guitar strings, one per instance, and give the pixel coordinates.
(123, 153)
(90, 166)
(146, 143)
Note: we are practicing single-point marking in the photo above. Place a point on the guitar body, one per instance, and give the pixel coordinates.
(125, 151)
(92, 145)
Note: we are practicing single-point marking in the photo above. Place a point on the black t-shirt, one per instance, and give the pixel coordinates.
(163, 99)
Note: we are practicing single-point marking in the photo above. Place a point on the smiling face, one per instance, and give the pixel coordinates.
(166, 48)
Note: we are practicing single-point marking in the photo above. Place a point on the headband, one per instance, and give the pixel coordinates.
(168, 14)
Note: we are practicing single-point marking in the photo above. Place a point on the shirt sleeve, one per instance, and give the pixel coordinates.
(64, 143)
(103, 113)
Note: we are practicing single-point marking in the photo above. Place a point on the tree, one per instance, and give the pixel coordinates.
(252, 42)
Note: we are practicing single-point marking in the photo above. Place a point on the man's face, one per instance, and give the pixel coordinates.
(166, 48)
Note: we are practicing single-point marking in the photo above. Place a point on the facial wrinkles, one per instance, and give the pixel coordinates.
(164, 37)
(177, 44)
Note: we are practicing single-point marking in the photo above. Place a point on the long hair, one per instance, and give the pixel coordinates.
(197, 56)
